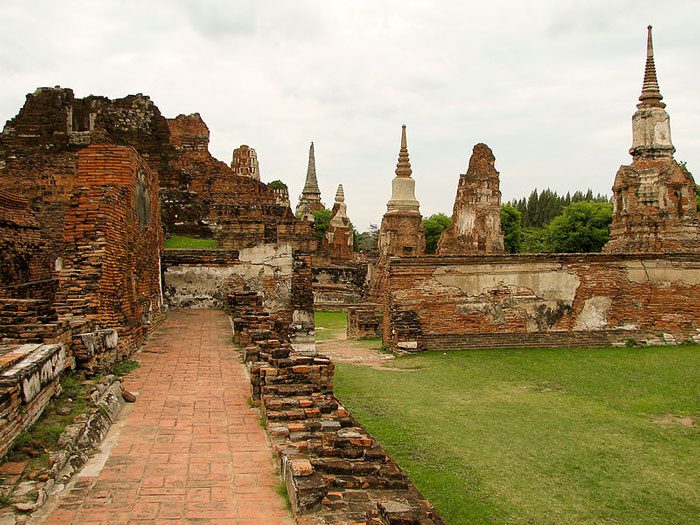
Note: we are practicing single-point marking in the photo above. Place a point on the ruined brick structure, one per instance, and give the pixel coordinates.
(96, 205)
(540, 300)
(480, 298)
(333, 470)
(476, 217)
(364, 321)
(338, 286)
(245, 162)
(280, 276)
(654, 197)
(203, 196)
(310, 198)
(109, 270)
(338, 237)
(402, 225)
(81, 246)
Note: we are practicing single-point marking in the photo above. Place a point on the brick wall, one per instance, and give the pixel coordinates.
(507, 300)
(110, 270)
(338, 286)
(364, 321)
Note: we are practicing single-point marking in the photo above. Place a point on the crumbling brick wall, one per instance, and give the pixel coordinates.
(110, 269)
(364, 321)
(339, 285)
(23, 255)
(547, 299)
(204, 196)
(334, 471)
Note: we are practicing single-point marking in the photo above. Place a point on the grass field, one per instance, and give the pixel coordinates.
(183, 242)
(543, 435)
(329, 325)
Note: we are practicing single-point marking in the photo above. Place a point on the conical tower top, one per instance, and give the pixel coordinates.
(311, 185)
(403, 167)
(340, 194)
(651, 96)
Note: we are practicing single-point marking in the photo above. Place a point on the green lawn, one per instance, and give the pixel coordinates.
(329, 325)
(194, 243)
(543, 435)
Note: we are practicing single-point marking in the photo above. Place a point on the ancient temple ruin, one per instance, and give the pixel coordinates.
(654, 197)
(472, 295)
(245, 162)
(310, 198)
(339, 232)
(476, 217)
(402, 225)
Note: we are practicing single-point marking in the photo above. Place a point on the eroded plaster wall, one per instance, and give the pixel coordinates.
(427, 298)
(204, 281)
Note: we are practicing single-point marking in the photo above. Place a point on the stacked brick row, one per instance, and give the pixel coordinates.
(29, 321)
(334, 471)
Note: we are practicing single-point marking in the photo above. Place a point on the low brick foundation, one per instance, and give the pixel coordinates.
(334, 471)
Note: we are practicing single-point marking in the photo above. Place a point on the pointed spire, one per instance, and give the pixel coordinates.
(403, 167)
(651, 96)
(311, 185)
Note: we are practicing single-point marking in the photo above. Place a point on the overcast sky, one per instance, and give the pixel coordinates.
(550, 86)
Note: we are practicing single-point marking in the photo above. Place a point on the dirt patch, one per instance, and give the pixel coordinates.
(353, 351)
(542, 387)
(670, 419)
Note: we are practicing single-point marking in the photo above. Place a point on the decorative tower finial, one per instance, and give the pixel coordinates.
(310, 198)
(651, 96)
(403, 167)
(311, 185)
(340, 194)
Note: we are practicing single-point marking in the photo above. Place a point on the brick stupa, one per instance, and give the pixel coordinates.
(245, 162)
(476, 217)
(339, 232)
(402, 225)
(310, 198)
(654, 197)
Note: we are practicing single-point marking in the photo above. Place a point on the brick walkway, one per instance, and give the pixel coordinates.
(190, 449)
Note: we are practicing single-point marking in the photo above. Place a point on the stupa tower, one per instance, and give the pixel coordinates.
(402, 225)
(339, 232)
(654, 197)
(310, 198)
(476, 217)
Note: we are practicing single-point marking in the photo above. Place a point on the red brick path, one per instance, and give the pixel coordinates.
(191, 450)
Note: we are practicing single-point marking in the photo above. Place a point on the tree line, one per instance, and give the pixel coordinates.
(545, 222)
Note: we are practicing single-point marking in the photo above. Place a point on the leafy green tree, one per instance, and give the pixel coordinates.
(582, 227)
(434, 226)
(511, 219)
(534, 240)
(367, 241)
(277, 185)
(322, 220)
